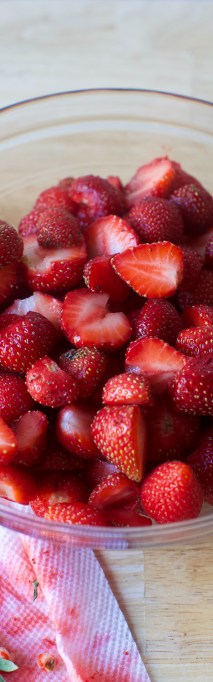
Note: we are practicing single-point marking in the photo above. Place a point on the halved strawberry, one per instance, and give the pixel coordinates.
(198, 316)
(11, 244)
(86, 365)
(17, 484)
(202, 291)
(25, 341)
(152, 270)
(46, 305)
(55, 197)
(127, 389)
(49, 385)
(100, 276)
(56, 488)
(152, 179)
(94, 197)
(8, 443)
(156, 220)
(74, 430)
(28, 224)
(113, 489)
(196, 206)
(110, 235)
(158, 318)
(30, 432)
(14, 397)
(52, 270)
(56, 228)
(171, 434)
(195, 341)
(158, 361)
(192, 387)
(76, 513)
(8, 278)
(120, 434)
(86, 321)
(127, 515)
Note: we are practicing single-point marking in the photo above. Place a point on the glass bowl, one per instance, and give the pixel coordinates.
(101, 132)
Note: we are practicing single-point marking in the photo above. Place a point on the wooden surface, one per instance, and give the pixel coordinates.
(52, 45)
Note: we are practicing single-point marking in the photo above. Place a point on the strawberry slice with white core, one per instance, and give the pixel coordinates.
(53, 269)
(110, 235)
(151, 179)
(30, 431)
(156, 360)
(86, 321)
(152, 270)
(8, 443)
(74, 430)
(46, 305)
(16, 484)
(114, 489)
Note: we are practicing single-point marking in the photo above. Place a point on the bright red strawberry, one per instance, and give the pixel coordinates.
(158, 361)
(192, 266)
(127, 389)
(76, 513)
(156, 220)
(8, 443)
(110, 235)
(11, 244)
(152, 270)
(30, 432)
(14, 397)
(25, 341)
(201, 293)
(86, 321)
(171, 493)
(120, 434)
(195, 341)
(99, 276)
(53, 270)
(56, 488)
(55, 197)
(28, 224)
(113, 489)
(158, 318)
(196, 206)
(209, 253)
(49, 385)
(198, 316)
(192, 387)
(152, 179)
(46, 305)
(172, 434)
(127, 515)
(8, 279)
(94, 197)
(17, 484)
(56, 228)
(74, 430)
(87, 366)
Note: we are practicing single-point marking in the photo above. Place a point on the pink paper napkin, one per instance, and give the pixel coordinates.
(75, 617)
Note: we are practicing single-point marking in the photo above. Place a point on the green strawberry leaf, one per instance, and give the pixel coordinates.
(35, 591)
(7, 666)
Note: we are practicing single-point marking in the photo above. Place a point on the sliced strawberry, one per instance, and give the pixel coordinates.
(56, 228)
(25, 341)
(53, 270)
(158, 361)
(158, 318)
(153, 270)
(127, 515)
(28, 224)
(86, 365)
(55, 197)
(17, 484)
(120, 434)
(201, 293)
(94, 198)
(209, 253)
(172, 434)
(8, 443)
(30, 432)
(171, 493)
(46, 305)
(197, 316)
(110, 235)
(156, 220)
(127, 389)
(76, 513)
(8, 278)
(86, 321)
(201, 461)
(49, 385)
(192, 387)
(152, 179)
(114, 489)
(195, 341)
(11, 244)
(196, 206)
(100, 276)
(192, 266)
(14, 397)
(57, 488)
(74, 430)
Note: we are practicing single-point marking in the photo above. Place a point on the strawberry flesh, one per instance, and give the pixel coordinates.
(155, 359)
(152, 270)
(86, 321)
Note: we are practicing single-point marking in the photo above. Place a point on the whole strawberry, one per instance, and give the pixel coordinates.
(11, 244)
(94, 197)
(57, 228)
(196, 206)
(156, 219)
(201, 462)
(192, 388)
(158, 318)
(171, 493)
(25, 341)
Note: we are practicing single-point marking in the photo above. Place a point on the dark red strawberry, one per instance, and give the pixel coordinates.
(55, 197)
(127, 389)
(25, 341)
(76, 513)
(209, 253)
(157, 220)
(46, 305)
(30, 432)
(158, 318)
(201, 461)
(49, 385)
(115, 181)
(11, 244)
(155, 359)
(110, 235)
(113, 489)
(196, 206)
(86, 321)
(53, 270)
(98, 469)
(192, 266)
(86, 365)
(8, 279)
(195, 341)
(199, 243)
(192, 387)
(94, 197)
(152, 179)
(28, 224)
(172, 434)
(17, 484)
(171, 493)
(56, 228)
(66, 182)
(129, 514)
(198, 316)
(152, 270)
(56, 488)
(100, 276)
(120, 434)
(14, 397)
(202, 292)
(8, 443)
(55, 457)
(7, 318)
(74, 430)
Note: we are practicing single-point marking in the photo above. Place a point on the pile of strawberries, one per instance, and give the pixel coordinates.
(106, 350)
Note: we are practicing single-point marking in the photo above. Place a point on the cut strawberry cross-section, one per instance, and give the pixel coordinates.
(152, 270)
(113, 489)
(46, 305)
(53, 269)
(8, 443)
(86, 321)
(110, 235)
(156, 359)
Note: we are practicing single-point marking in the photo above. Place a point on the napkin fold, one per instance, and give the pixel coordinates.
(75, 617)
